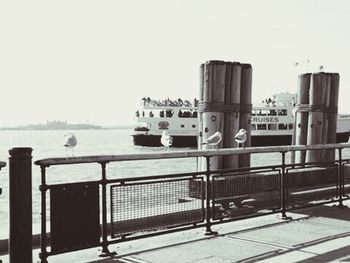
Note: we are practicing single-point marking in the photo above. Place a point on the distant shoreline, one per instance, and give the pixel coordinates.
(43, 127)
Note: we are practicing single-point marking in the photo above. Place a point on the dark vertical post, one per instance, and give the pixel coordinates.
(43, 238)
(333, 114)
(105, 251)
(20, 238)
(318, 86)
(301, 117)
(246, 110)
(208, 198)
(340, 178)
(283, 187)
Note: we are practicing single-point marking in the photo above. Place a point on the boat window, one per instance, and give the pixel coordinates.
(290, 126)
(182, 125)
(161, 114)
(193, 126)
(169, 113)
(272, 126)
(282, 126)
(282, 112)
(272, 113)
(137, 113)
(253, 127)
(261, 113)
(261, 126)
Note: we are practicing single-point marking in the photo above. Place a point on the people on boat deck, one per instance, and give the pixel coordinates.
(147, 101)
(187, 114)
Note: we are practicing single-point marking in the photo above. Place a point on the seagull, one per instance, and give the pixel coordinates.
(69, 141)
(241, 137)
(213, 140)
(166, 139)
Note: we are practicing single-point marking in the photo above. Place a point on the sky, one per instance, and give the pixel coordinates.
(93, 61)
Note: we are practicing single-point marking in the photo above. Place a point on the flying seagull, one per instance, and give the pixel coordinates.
(166, 139)
(69, 141)
(213, 140)
(241, 137)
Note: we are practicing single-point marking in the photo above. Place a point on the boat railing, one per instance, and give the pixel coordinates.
(113, 210)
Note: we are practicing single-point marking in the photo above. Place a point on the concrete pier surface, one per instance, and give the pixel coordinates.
(318, 234)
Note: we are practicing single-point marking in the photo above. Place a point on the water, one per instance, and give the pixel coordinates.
(48, 144)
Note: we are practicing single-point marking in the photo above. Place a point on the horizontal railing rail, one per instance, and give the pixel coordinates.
(184, 154)
(144, 206)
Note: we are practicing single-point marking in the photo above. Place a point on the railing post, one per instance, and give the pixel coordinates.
(105, 251)
(340, 184)
(283, 187)
(208, 198)
(20, 192)
(43, 238)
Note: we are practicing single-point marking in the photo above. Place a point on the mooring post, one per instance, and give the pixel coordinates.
(329, 155)
(246, 110)
(318, 87)
(231, 112)
(20, 192)
(301, 116)
(210, 107)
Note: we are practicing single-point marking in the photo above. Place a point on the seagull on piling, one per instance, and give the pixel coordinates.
(241, 137)
(69, 141)
(166, 139)
(213, 140)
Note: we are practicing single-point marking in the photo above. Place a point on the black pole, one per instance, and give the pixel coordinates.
(340, 180)
(105, 251)
(20, 238)
(43, 239)
(208, 198)
(283, 187)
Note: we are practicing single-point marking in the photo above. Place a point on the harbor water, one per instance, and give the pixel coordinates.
(48, 144)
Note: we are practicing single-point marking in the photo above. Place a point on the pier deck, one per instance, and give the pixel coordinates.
(318, 234)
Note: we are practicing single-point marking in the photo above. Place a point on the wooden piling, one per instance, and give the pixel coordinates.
(200, 114)
(316, 115)
(231, 121)
(301, 116)
(326, 102)
(329, 155)
(246, 110)
(213, 100)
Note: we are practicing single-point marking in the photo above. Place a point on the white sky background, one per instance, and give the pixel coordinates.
(94, 60)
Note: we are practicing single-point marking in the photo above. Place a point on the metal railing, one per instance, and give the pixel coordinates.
(140, 207)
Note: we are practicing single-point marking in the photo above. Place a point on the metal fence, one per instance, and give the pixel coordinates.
(108, 211)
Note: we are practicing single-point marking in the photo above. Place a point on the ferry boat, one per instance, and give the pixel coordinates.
(272, 122)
